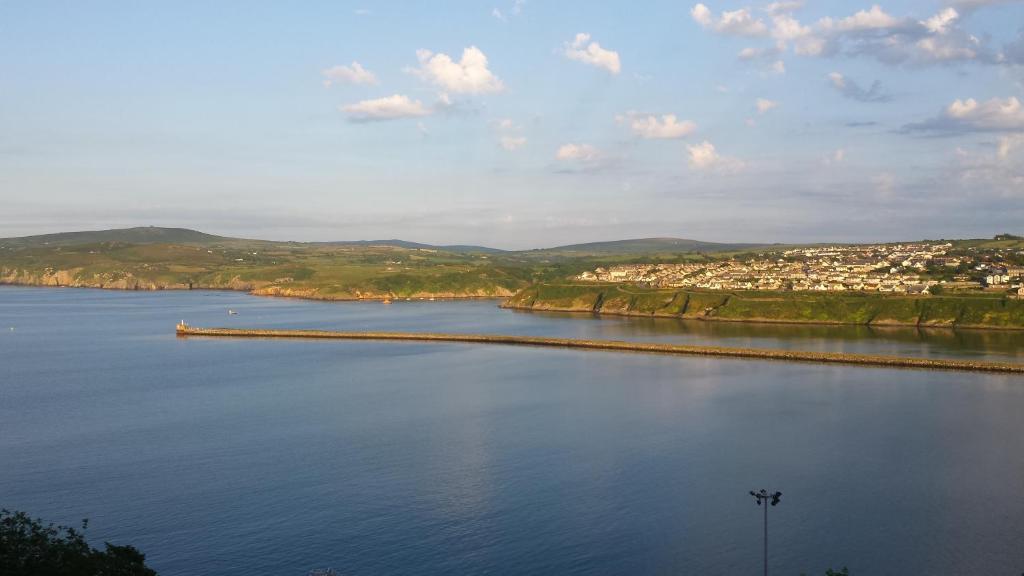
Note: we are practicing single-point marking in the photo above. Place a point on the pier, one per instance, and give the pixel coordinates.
(184, 330)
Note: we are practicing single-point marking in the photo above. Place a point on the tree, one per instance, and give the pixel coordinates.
(30, 548)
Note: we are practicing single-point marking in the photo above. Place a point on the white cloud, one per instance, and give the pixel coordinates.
(871, 32)
(354, 74)
(583, 50)
(784, 6)
(764, 105)
(996, 113)
(944, 48)
(872, 19)
(578, 152)
(387, 108)
(650, 127)
(779, 67)
(941, 22)
(733, 23)
(509, 137)
(703, 156)
(965, 116)
(469, 75)
(786, 28)
(750, 53)
(512, 143)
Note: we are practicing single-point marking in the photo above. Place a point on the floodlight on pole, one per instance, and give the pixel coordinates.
(766, 498)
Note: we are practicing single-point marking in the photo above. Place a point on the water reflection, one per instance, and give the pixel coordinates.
(895, 340)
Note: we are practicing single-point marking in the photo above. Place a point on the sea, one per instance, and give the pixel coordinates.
(258, 456)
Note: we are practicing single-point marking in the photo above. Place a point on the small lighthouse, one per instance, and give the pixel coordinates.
(182, 327)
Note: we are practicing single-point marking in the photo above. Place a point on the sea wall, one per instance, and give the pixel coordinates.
(184, 330)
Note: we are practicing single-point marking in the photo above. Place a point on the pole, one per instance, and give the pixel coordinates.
(766, 499)
(766, 539)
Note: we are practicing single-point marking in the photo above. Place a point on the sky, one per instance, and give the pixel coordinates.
(515, 123)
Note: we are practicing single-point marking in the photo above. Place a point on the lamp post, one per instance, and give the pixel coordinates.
(763, 497)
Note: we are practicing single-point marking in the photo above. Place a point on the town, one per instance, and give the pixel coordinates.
(917, 268)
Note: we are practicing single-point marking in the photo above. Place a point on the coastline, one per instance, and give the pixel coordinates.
(506, 302)
(781, 321)
(793, 308)
(185, 331)
(253, 291)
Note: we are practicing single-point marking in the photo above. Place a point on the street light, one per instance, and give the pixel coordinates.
(764, 497)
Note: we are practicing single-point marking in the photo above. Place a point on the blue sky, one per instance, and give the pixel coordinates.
(515, 124)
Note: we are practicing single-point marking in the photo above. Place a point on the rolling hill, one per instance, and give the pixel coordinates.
(648, 245)
(138, 235)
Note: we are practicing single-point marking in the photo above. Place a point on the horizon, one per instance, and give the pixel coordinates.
(462, 244)
(515, 123)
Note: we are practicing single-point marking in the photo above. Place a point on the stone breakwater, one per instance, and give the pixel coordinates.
(621, 346)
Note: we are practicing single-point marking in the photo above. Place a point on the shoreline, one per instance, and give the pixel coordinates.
(185, 331)
(253, 292)
(917, 325)
(506, 306)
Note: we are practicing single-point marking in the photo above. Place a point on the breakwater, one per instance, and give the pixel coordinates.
(185, 330)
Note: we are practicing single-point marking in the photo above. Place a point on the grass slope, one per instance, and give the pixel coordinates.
(800, 307)
(140, 235)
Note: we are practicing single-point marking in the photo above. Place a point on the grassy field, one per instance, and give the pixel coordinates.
(302, 270)
(802, 307)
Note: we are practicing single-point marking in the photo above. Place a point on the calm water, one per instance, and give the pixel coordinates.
(274, 457)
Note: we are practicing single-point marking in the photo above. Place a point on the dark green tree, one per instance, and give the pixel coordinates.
(30, 548)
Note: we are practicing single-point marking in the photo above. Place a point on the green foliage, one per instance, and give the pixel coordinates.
(30, 548)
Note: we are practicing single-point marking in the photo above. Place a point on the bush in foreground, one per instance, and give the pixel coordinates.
(30, 548)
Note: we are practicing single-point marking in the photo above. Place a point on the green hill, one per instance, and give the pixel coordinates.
(646, 246)
(139, 235)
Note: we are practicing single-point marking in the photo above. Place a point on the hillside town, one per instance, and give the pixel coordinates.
(886, 268)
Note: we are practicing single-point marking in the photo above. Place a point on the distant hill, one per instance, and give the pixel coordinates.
(139, 235)
(411, 245)
(158, 235)
(649, 245)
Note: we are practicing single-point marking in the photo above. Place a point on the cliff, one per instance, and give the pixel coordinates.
(283, 287)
